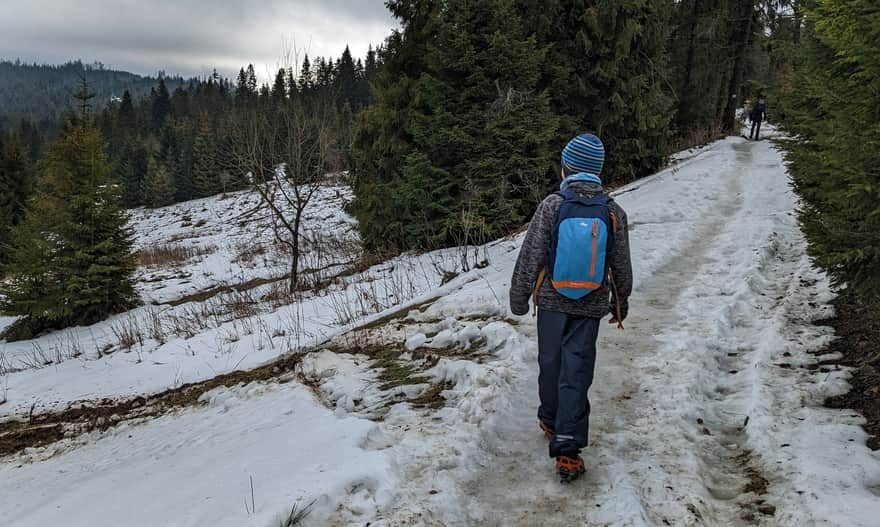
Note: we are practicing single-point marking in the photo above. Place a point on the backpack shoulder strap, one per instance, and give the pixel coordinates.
(612, 214)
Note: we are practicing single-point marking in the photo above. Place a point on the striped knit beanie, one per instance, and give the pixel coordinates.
(583, 154)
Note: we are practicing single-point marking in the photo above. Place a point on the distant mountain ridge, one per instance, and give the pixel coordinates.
(39, 92)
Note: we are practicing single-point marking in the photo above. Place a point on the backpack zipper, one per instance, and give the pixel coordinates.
(595, 248)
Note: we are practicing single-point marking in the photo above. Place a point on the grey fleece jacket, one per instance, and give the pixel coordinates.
(533, 257)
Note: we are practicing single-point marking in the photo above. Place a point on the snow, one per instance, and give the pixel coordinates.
(233, 245)
(702, 400)
(194, 468)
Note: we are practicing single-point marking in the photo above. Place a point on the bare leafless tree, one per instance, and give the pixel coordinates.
(286, 149)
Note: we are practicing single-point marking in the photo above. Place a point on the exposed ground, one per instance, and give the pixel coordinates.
(857, 328)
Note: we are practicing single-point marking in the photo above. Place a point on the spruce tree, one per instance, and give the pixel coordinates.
(131, 170)
(242, 91)
(606, 73)
(205, 172)
(384, 143)
(126, 115)
(15, 188)
(72, 262)
(161, 105)
(832, 104)
(279, 88)
(158, 186)
(306, 78)
(251, 80)
(346, 79)
(474, 120)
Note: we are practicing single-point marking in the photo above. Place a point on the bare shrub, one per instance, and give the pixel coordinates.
(247, 253)
(366, 295)
(155, 328)
(4, 387)
(128, 332)
(323, 257)
(169, 255)
(5, 366)
(66, 347)
(279, 295)
(239, 304)
(193, 319)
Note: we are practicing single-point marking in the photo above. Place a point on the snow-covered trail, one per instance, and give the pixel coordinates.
(698, 416)
(706, 409)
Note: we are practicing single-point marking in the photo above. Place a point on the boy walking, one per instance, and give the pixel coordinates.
(575, 261)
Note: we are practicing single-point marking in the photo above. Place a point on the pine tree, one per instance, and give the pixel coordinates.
(371, 66)
(205, 172)
(473, 119)
(15, 188)
(326, 74)
(346, 79)
(292, 91)
(251, 80)
(740, 40)
(180, 103)
(832, 104)
(384, 142)
(605, 73)
(131, 171)
(161, 105)
(279, 88)
(699, 67)
(242, 91)
(126, 116)
(158, 187)
(72, 262)
(84, 95)
(306, 78)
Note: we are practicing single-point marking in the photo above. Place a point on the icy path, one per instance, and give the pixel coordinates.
(701, 412)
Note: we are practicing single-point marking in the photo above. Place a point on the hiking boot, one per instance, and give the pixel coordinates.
(569, 468)
(549, 433)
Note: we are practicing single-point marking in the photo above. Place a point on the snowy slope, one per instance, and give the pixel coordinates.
(230, 243)
(704, 411)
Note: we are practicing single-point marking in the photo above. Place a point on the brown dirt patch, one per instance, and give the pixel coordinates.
(201, 296)
(857, 326)
(36, 430)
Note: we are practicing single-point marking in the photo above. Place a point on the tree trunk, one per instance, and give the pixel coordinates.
(684, 110)
(740, 44)
(294, 257)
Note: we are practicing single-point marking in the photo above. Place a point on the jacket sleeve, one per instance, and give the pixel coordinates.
(621, 264)
(532, 256)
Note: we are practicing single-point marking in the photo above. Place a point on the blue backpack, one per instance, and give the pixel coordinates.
(580, 244)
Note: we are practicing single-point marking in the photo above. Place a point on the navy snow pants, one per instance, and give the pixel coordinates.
(756, 130)
(567, 358)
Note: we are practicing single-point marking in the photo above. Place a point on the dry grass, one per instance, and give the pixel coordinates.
(128, 332)
(696, 138)
(170, 255)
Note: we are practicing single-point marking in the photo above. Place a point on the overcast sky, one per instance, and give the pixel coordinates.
(189, 37)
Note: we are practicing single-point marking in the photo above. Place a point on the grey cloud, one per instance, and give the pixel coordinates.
(190, 36)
